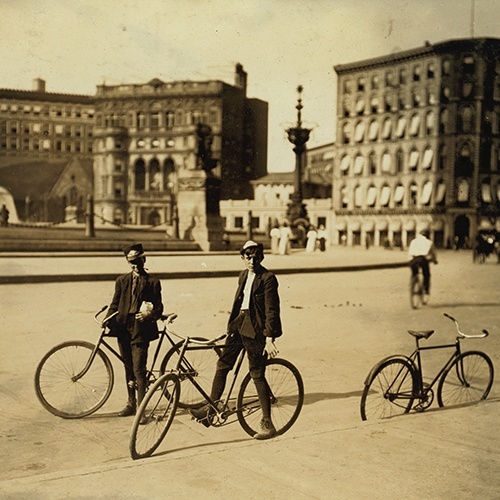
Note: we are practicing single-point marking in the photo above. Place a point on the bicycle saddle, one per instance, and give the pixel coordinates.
(423, 334)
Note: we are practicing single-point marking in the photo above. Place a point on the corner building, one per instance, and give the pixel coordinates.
(418, 144)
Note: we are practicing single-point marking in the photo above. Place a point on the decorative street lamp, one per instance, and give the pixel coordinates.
(298, 136)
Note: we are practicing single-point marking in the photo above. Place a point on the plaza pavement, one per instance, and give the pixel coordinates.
(440, 454)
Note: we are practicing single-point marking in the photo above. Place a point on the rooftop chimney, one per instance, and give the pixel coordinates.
(240, 78)
(39, 85)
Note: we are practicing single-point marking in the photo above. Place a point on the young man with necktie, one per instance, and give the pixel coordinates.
(138, 300)
(253, 325)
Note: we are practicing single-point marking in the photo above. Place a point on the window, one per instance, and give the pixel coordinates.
(155, 119)
(141, 143)
(155, 143)
(371, 196)
(425, 198)
(386, 163)
(358, 196)
(360, 106)
(140, 175)
(467, 89)
(427, 159)
(344, 197)
(413, 195)
(345, 165)
(359, 164)
(385, 194)
(347, 86)
(402, 76)
(373, 131)
(429, 123)
(416, 73)
(486, 191)
(401, 127)
(431, 70)
(388, 102)
(413, 161)
(359, 132)
(416, 98)
(463, 188)
(400, 162)
(361, 84)
(446, 68)
(372, 164)
(256, 222)
(399, 195)
(374, 104)
(375, 82)
(466, 117)
(169, 119)
(414, 125)
(386, 131)
(440, 193)
(238, 222)
(444, 121)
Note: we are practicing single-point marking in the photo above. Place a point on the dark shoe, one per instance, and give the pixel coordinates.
(267, 429)
(203, 414)
(144, 420)
(128, 411)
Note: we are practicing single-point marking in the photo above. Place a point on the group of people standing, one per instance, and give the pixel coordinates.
(281, 237)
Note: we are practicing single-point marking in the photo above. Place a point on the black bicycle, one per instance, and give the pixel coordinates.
(395, 383)
(181, 382)
(75, 379)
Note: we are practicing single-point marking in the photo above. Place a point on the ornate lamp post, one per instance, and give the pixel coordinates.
(298, 136)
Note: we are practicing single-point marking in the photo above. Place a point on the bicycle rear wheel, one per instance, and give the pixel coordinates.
(154, 416)
(416, 292)
(57, 389)
(200, 363)
(389, 391)
(467, 380)
(287, 397)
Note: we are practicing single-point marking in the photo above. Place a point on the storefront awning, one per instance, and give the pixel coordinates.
(359, 164)
(427, 160)
(486, 192)
(414, 125)
(345, 163)
(371, 196)
(399, 194)
(359, 133)
(373, 132)
(384, 196)
(425, 197)
(386, 162)
(440, 192)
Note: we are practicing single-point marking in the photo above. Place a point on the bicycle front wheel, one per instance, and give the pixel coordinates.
(390, 391)
(287, 397)
(63, 395)
(416, 292)
(154, 416)
(467, 380)
(200, 362)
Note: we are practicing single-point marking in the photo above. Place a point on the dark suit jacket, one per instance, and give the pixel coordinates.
(149, 290)
(264, 308)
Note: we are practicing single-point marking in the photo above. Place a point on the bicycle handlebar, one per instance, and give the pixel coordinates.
(103, 323)
(463, 335)
(170, 318)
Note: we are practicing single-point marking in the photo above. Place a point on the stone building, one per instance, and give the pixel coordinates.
(43, 135)
(418, 144)
(163, 153)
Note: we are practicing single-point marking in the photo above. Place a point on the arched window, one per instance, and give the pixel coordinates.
(429, 123)
(344, 197)
(155, 181)
(169, 119)
(412, 195)
(372, 164)
(358, 196)
(400, 162)
(346, 133)
(168, 173)
(442, 157)
(463, 190)
(466, 116)
(444, 121)
(399, 195)
(140, 175)
(140, 120)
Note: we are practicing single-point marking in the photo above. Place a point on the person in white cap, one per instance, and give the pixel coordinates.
(138, 300)
(253, 324)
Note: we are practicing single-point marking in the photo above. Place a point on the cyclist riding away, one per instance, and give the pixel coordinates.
(421, 252)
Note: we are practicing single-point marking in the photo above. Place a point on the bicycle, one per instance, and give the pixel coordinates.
(75, 378)
(158, 409)
(395, 382)
(417, 290)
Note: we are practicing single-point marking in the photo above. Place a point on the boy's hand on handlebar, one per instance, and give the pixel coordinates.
(270, 348)
(142, 316)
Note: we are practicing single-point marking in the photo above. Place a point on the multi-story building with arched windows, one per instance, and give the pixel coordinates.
(418, 144)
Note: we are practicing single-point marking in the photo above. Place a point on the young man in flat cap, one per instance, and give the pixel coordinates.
(137, 299)
(253, 324)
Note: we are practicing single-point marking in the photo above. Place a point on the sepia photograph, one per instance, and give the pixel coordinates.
(249, 248)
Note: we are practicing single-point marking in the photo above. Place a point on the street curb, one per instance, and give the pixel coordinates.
(47, 278)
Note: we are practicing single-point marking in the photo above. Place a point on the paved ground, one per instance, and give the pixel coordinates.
(337, 325)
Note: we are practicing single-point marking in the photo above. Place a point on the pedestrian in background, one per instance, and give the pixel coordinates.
(312, 235)
(275, 239)
(4, 216)
(285, 234)
(138, 300)
(322, 237)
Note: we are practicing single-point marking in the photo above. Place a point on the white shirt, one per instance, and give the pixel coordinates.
(420, 246)
(247, 290)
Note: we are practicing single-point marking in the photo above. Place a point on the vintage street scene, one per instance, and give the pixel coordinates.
(249, 249)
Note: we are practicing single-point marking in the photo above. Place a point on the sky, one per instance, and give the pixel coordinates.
(76, 45)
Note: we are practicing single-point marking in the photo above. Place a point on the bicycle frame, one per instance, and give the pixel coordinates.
(182, 370)
(102, 342)
(416, 360)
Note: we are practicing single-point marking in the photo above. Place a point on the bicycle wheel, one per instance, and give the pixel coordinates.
(57, 389)
(416, 292)
(200, 364)
(467, 380)
(287, 397)
(390, 391)
(157, 412)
